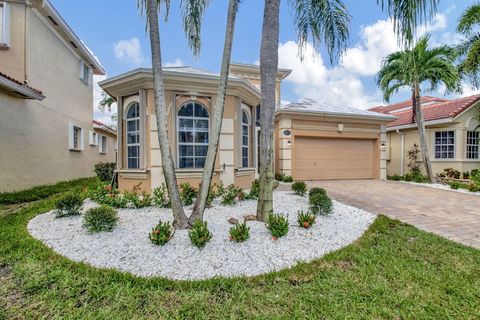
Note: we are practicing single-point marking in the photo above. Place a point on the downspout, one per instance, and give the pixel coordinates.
(402, 151)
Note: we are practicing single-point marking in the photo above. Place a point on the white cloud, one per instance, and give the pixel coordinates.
(105, 117)
(177, 63)
(129, 51)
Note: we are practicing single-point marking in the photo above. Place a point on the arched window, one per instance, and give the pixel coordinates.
(245, 138)
(133, 136)
(192, 128)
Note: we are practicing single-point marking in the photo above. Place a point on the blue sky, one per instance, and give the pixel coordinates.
(115, 31)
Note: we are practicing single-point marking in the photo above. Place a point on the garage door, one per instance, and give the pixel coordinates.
(327, 158)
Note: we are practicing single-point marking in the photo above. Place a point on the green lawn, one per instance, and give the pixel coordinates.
(394, 271)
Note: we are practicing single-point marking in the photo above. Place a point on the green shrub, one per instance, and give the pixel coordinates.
(187, 193)
(305, 219)
(160, 197)
(104, 170)
(299, 188)
(107, 195)
(288, 179)
(395, 177)
(473, 187)
(219, 189)
(415, 176)
(239, 232)
(455, 185)
(277, 224)
(254, 190)
(452, 173)
(475, 176)
(162, 233)
(200, 235)
(465, 175)
(316, 190)
(103, 218)
(320, 203)
(136, 200)
(279, 176)
(231, 194)
(68, 205)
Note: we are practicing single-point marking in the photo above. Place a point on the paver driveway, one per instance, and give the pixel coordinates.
(453, 215)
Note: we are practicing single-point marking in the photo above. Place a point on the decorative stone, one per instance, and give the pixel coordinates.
(250, 217)
(232, 220)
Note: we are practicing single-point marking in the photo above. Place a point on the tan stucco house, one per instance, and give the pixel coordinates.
(354, 139)
(46, 99)
(451, 131)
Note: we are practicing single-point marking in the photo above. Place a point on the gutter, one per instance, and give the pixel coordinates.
(22, 90)
(338, 114)
(402, 151)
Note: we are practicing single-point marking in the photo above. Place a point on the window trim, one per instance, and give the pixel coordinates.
(84, 66)
(139, 131)
(472, 145)
(101, 150)
(454, 145)
(177, 134)
(71, 138)
(242, 145)
(93, 138)
(5, 26)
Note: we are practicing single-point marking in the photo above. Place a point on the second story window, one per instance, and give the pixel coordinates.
(4, 25)
(85, 72)
(75, 137)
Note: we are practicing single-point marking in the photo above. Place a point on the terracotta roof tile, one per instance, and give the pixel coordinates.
(436, 111)
(19, 82)
(406, 103)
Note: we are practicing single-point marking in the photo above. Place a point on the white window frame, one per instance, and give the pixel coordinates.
(4, 25)
(243, 145)
(138, 132)
(101, 148)
(85, 73)
(472, 148)
(442, 144)
(194, 131)
(93, 138)
(79, 145)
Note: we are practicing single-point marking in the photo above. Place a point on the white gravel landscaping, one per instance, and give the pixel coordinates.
(442, 187)
(128, 248)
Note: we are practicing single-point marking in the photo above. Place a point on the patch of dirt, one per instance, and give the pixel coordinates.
(7, 210)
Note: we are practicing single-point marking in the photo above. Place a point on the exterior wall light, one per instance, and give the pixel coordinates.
(340, 127)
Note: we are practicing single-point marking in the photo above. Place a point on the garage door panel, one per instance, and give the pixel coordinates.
(327, 158)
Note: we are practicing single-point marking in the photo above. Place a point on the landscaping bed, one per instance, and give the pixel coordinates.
(128, 248)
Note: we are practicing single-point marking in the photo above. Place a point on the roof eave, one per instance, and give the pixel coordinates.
(338, 114)
(21, 90)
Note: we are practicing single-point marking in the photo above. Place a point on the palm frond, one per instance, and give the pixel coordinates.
(192, 15)
(143, 8)
(322, 21)
(469, 19)
(407, 15)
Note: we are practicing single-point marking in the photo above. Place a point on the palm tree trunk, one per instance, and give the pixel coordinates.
(180, 220)
(416, 102)
(199, 207)
(268, 71)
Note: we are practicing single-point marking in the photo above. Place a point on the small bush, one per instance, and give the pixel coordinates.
(160, 197)
(473, 187)
(103, 218)
(254, 190)
(288, 179)
(239, 232)
(107, 195)
(277, 225)
(395, 177)
(316, 190)
(320, 203)
(200, 235)
(136, 200)
(475, 176)
(104, 170)
(231, 194)
(219, 189)
(162, 233)
(452, 173)
(187, 193)
(279, 176)
(299, 188)
(415, 176)
(305, 219)
(68, 205)
(455, 185)
(465, 175)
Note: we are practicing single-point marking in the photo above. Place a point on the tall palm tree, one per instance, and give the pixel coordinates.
(180, 220)
(322, 20)
(208, 168)
(412, 67)
(469, 49)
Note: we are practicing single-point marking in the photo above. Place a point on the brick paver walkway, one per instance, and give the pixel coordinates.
(453, 215)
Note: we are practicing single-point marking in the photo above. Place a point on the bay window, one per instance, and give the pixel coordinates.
(192, 135)
(133, 136)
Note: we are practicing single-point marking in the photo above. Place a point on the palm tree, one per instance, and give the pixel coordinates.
(205, 184)
(152, 7)
(320, 20)
(412, 67)
(470, 48)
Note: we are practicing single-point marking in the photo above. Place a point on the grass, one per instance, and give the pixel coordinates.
(394, 271)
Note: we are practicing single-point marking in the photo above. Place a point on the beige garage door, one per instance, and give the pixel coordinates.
(327, 158)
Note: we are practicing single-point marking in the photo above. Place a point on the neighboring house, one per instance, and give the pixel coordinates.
(451, 132)
(46, 99)
(354, 138)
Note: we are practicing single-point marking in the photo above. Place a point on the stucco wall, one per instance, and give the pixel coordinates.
(465, 122)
